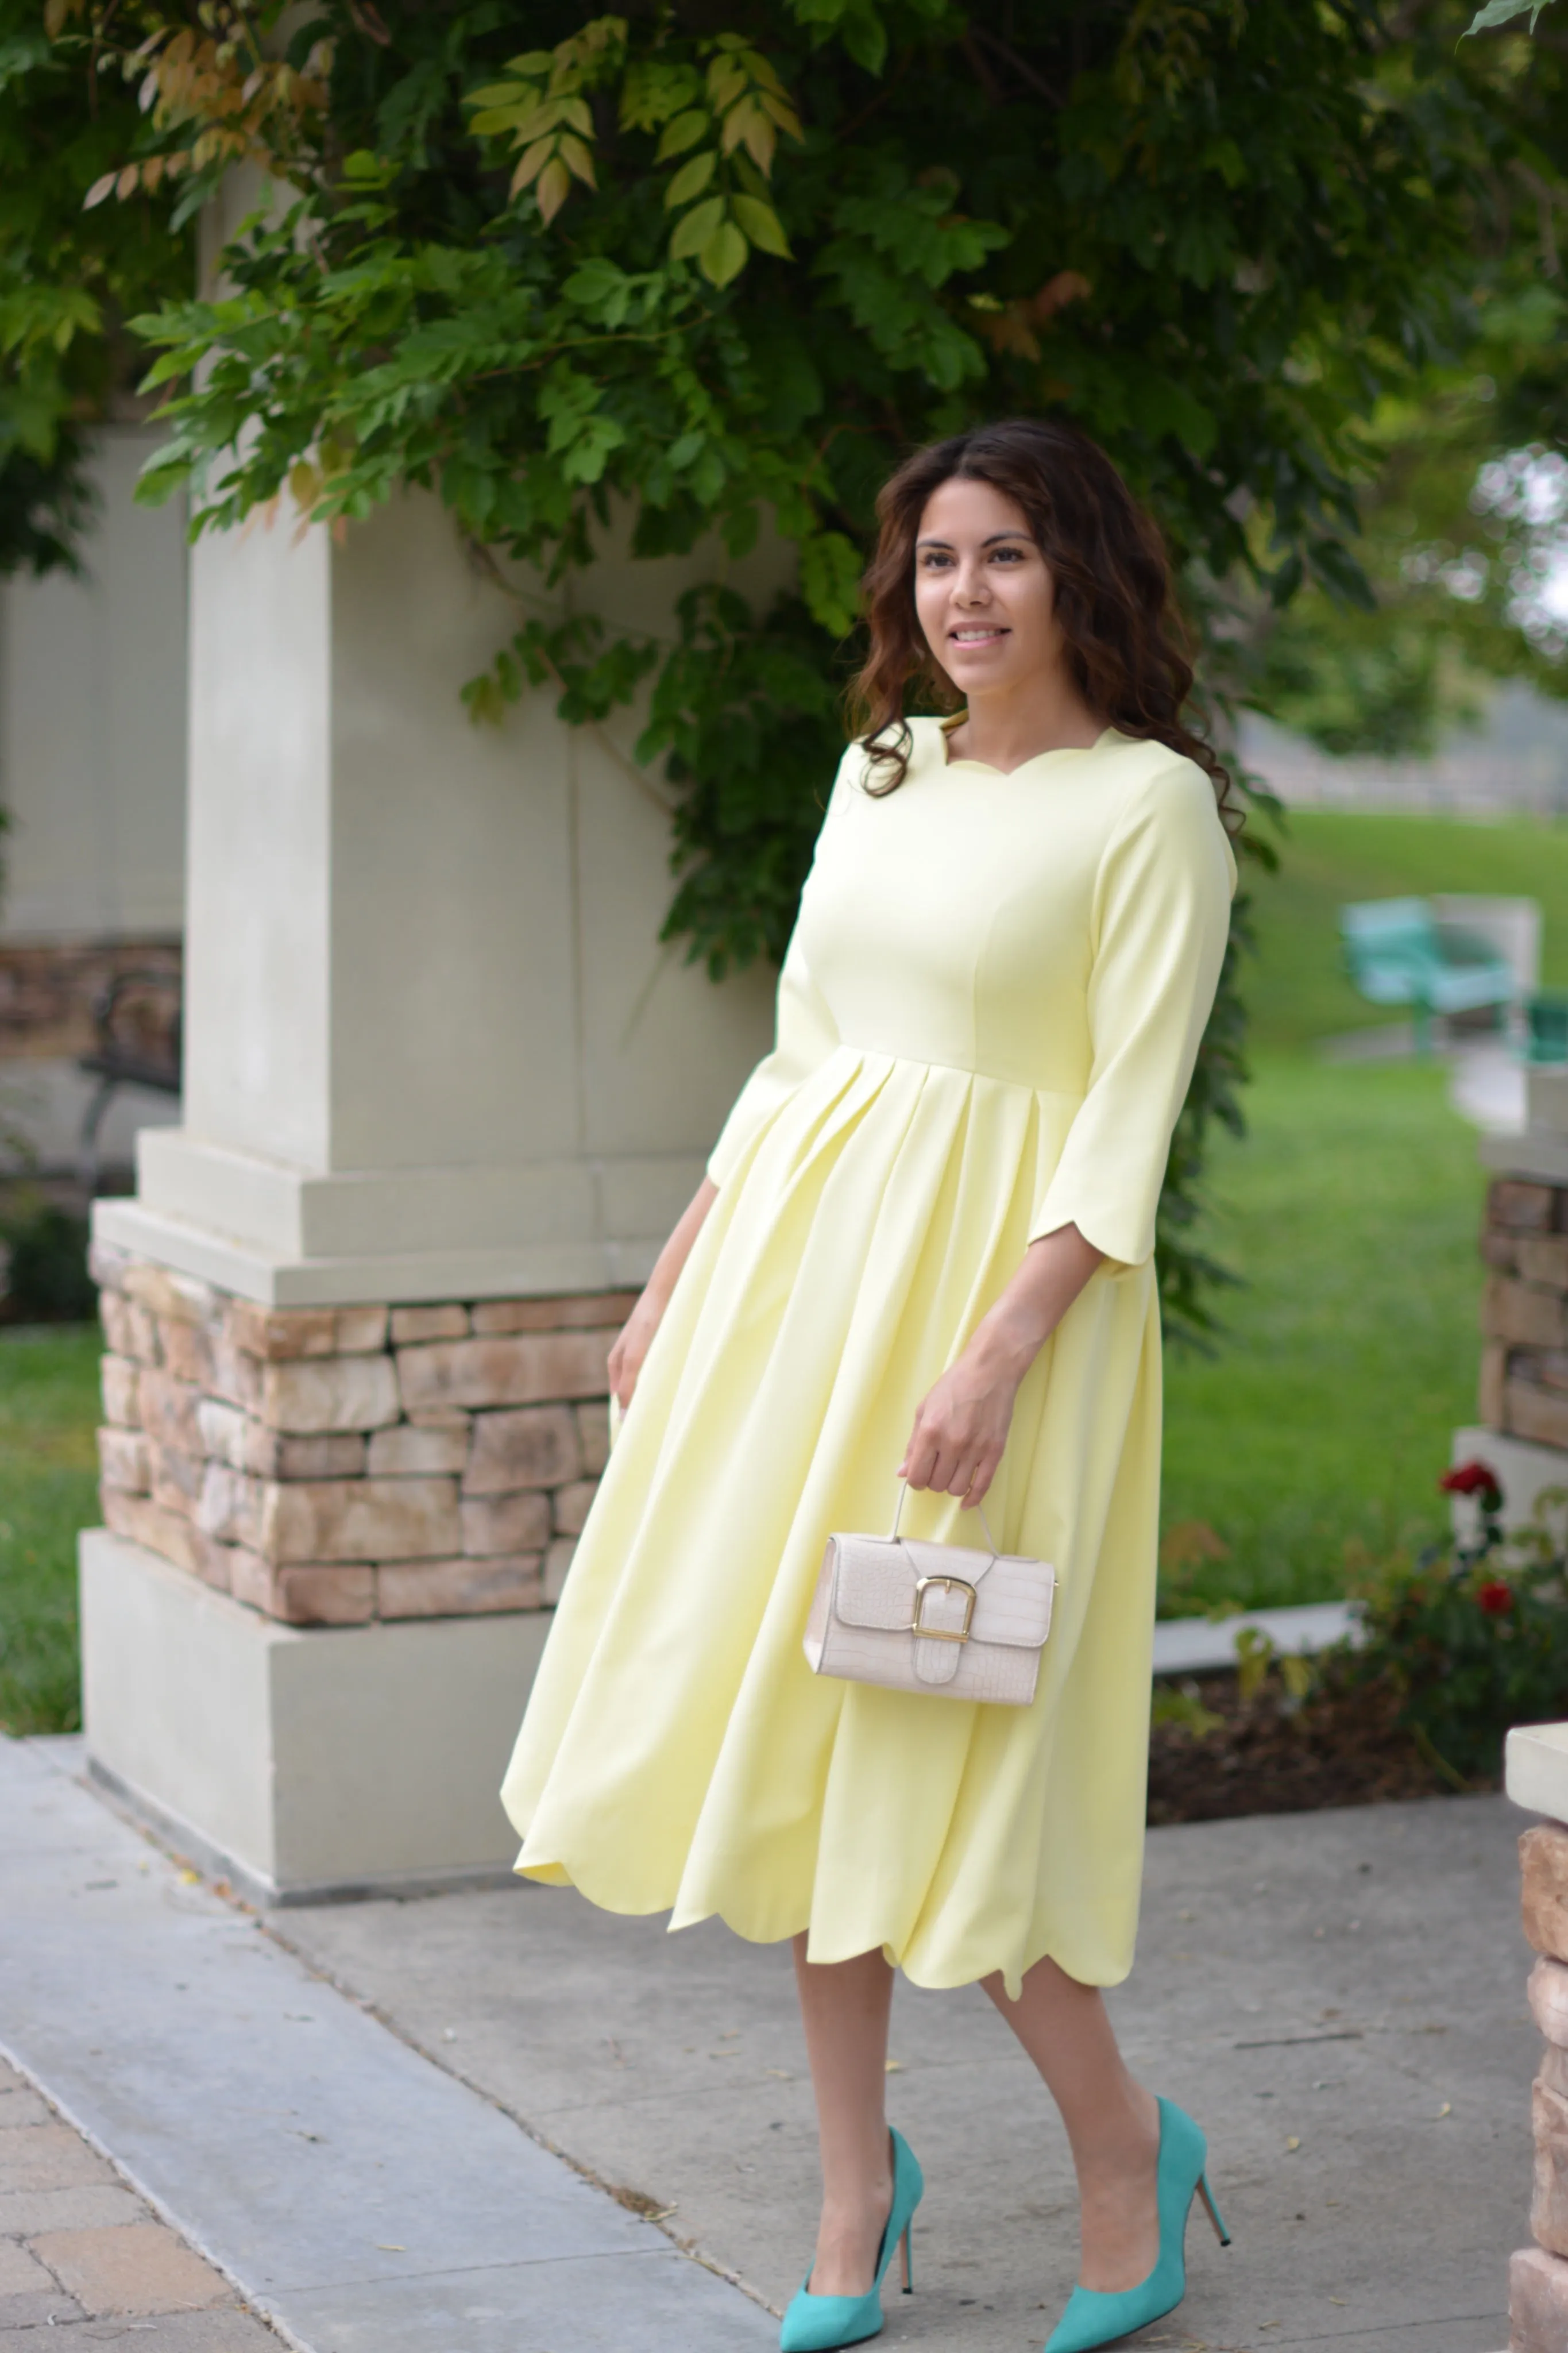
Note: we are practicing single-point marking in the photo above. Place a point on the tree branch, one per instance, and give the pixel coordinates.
(1020, 66)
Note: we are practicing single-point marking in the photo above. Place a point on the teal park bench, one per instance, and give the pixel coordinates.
(1397, 954)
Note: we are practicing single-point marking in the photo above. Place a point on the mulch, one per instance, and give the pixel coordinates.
(1270, 1756)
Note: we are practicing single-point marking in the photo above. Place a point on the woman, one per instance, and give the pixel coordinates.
(924, 1252)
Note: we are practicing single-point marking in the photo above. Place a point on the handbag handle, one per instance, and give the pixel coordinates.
(898, 1515)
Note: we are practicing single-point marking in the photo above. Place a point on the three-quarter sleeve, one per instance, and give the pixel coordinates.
(1161, 917)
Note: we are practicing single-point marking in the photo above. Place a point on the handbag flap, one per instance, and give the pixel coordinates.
(875, 1576)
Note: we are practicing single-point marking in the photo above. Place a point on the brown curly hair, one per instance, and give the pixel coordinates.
(1111, 581)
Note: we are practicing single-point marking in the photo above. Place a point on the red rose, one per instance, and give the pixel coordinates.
(1495, 1597)
(1473, 1479)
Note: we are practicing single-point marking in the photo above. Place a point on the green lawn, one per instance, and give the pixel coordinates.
(48, 1406)
(1295, 989)
(1350, 1212)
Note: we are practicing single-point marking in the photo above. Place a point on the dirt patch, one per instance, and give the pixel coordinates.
(1269, 1756)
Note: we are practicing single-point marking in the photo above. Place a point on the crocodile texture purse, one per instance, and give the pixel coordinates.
(931, 1618)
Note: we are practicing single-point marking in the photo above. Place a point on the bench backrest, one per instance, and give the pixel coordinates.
(1379, 925)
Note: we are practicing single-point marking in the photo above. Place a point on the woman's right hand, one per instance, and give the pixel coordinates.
(634, 1341)
(627, 1355)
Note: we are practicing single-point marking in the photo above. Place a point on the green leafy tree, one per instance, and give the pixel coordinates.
(1461, 550)
(1464, 499)
(68, 282)
(718, 271)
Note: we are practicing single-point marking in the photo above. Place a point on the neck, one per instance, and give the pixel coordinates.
(1004, 729)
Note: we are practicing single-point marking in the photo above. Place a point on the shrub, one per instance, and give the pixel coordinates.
(47, 1281)
(1473, 1637)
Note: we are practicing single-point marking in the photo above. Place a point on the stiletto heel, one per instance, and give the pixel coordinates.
(908, 2258)
(1215, 2217)
(818, 2323)
(1092, 2319)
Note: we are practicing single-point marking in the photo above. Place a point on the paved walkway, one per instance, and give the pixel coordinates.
(354, 2192)
(1340, 1997)
(82, 2255)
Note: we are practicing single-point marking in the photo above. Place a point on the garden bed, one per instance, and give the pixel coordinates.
(1272, 1756)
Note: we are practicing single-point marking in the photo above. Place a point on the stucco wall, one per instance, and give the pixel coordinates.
(93, 723)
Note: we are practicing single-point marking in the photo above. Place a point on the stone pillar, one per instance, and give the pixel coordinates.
(432, 1049)
(445, 1096)
(1522, 1429)
(1537, 1779)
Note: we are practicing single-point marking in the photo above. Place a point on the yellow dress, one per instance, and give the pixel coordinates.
(988, 1022)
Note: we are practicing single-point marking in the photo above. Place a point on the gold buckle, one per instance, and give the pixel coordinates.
(941, 1634)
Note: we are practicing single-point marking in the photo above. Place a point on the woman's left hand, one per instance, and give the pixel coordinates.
(960, 1428)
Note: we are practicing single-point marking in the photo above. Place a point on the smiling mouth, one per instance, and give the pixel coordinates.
(986, 636)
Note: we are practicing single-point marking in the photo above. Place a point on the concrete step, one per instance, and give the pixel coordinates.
(1198, 1646)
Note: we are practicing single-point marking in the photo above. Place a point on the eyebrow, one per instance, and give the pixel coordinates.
(995, 539)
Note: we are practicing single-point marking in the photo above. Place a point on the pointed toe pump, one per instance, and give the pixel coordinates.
(1092, 2319)
(816, 2323)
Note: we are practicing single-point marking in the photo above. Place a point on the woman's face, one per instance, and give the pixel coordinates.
(984, 591)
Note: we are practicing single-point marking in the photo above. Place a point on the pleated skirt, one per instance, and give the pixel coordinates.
(677, 1755)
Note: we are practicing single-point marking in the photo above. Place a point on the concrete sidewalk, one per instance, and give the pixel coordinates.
(354, 2194)
(1338, 1997)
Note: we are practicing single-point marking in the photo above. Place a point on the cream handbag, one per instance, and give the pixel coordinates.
(930, 1617)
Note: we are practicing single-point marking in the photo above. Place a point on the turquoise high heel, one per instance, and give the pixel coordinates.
(1092, 2319)
(816, 2323)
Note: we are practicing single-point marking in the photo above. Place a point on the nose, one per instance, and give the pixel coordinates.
(972, 587)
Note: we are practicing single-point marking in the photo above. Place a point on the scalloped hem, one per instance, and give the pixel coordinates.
(556, 1874)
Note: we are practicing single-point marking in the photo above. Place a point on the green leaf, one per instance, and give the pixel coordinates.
(761, 225)
(694, 231)
(600, 287)
(724, 256)
(683, 132)
(1503, 12)
(690, 179)
(483, 700)
(866, 37)
(1286, 582)
(830, 580)
(855, 23)
(500, 123)
(512, 94)
(654, 90)
(1341, 575)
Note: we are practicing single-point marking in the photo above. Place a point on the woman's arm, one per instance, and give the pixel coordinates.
(636, 1334)
(961, 1428)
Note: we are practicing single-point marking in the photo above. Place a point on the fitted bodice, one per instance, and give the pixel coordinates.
(956, 920)
(952, 921)
(1057, 930)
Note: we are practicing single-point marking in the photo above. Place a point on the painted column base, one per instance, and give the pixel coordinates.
(301, 1762)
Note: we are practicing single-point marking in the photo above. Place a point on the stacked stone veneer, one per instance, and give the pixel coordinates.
(1538, 2275)
(1524, 1312)
(328, 1466)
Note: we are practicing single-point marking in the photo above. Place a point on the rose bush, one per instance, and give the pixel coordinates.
(1473, 1638)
